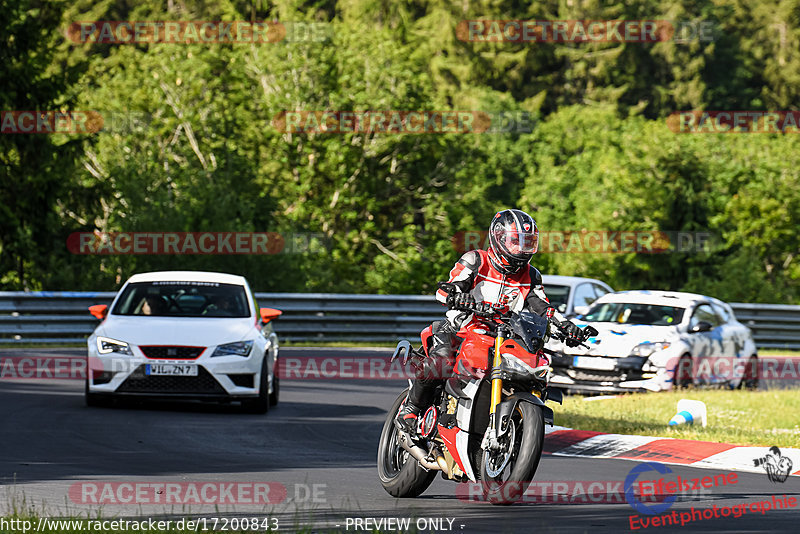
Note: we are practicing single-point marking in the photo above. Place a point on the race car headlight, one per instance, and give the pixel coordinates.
(646, 349)
(238, 348)
(106, 345)
(514, 364)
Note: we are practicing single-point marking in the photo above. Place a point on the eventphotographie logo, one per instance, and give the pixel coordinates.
(777, 466)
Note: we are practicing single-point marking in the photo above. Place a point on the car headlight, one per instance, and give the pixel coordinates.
(106, 345)
(516, 365)
(646, 349)
(238, 348)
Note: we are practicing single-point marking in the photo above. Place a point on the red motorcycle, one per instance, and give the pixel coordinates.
(487, 422)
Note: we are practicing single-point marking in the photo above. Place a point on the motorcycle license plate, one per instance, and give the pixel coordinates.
(598, 364)
(162, 369)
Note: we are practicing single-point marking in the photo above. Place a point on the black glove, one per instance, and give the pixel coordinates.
(574, 335)
(460, 300)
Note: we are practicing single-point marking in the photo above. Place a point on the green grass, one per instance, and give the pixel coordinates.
(763, 418)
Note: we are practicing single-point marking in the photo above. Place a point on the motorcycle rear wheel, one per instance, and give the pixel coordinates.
(518, 461)
(400, 474)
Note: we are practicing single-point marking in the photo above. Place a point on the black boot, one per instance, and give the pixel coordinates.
(407, 418)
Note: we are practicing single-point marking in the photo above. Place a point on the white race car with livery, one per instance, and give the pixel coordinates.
(184, 335)
(657, 340)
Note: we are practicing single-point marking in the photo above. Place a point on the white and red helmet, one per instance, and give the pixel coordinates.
(513, 240)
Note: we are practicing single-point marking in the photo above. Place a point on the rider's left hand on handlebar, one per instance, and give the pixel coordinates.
(574, 335)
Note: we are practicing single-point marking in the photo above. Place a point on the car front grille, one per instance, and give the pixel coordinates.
(175, 352)
(594, 376)
(202, 384)
(583, 375)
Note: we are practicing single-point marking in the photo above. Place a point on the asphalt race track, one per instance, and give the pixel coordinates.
(315, 451)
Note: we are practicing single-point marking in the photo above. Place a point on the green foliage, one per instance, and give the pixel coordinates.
(199, 151)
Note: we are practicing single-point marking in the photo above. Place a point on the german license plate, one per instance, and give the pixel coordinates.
(171, 369)
(590, 362)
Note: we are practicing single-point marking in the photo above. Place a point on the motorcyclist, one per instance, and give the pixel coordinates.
(501, 275)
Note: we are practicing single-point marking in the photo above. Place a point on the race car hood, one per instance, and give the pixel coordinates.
(618, 340)
(187, 331)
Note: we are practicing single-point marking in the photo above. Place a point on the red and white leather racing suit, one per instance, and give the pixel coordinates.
(475, 274)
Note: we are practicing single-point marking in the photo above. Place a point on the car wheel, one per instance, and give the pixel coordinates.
(95, 400)
(274, 397)
(683, 372)
(261, 403)
(750, 378)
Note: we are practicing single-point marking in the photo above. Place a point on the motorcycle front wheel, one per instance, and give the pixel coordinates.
(400, 474)
(507, 472)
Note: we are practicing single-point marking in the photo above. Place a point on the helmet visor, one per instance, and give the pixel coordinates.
(519, 243)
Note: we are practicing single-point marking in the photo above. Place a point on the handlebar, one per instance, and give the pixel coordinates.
(487, 310)
(560, 334)
(481, 309)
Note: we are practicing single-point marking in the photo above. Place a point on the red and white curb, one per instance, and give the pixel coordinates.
(561, 441)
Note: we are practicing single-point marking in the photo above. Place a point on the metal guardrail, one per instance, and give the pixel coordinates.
(62, 317)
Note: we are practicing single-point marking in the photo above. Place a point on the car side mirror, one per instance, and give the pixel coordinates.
(99, 310)
(702, 326)
(580, 310)
(268, 314)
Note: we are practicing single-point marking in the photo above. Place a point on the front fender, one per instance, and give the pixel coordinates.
(507, 407)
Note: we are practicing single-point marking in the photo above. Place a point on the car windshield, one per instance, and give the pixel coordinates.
(631, 313)
(183, 299)
(558, 296)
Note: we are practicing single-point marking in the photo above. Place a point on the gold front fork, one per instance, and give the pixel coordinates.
(497, 382)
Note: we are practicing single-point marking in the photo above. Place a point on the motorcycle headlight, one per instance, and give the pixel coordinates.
(646, 349)
(238, 348)
(514, 364)
(106, 345)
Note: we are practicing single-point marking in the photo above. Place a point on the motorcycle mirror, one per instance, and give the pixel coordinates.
(403, 349)
(590, 331)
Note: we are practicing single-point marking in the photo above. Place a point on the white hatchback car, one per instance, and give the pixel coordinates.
(572, 295)
(184, 334)
(655, 340)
